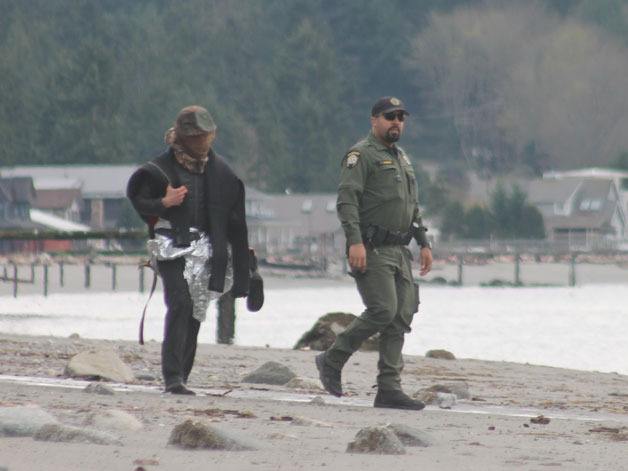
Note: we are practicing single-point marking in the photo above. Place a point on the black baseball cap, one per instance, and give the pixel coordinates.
(386, 104)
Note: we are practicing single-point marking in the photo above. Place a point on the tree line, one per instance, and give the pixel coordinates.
(493, 86)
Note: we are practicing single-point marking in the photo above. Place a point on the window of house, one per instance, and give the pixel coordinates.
(589, 204)
(596, 205)
(307, 206)
(331, 206)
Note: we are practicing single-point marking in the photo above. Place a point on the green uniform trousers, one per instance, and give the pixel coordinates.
(391, 298)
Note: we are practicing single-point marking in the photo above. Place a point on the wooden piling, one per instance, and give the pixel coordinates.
(14, 279)
(45, 281)
(572, 270)
(88, 274)
(460, 263)
(114, 277)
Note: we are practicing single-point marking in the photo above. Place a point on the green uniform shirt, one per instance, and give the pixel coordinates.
(377, 186)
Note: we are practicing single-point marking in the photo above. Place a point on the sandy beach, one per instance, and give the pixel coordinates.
(295, 429)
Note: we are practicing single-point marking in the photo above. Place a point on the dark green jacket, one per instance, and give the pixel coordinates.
(377, 186)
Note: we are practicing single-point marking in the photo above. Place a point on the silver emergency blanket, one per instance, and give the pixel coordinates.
(197, 268)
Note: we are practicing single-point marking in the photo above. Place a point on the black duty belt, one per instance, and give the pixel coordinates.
(378, 236)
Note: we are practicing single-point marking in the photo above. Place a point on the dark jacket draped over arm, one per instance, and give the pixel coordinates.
(225, 206)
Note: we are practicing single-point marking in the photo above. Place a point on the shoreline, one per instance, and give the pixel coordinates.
(491, 430)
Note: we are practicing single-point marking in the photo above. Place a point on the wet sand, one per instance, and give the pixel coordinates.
(491, 430)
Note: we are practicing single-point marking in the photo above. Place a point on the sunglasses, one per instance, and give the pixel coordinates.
(390, 116)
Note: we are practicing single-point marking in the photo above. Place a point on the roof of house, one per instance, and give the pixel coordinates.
(592, 209)
(314, 212)
(57, 184)
(56, 199)
(18, 224)
(595, 172)
(18, 189)
(53, 222)
(552, 191)
(98, 181)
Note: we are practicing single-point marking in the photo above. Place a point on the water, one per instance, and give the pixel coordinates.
(582, 328)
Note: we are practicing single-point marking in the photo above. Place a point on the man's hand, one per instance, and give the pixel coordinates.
(426, 260)
(174, 196)
(357, 257)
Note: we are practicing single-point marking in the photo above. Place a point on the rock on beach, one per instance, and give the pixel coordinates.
(104, 364)
(270, 372)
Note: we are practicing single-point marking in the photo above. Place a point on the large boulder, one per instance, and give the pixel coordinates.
(105, 364)
(270, 372)
(323, 333)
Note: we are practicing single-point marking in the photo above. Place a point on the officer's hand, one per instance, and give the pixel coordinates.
(426, 260)
(357, 257)
(174, 196)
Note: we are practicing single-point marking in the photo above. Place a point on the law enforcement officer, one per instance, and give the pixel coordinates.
(378, 208)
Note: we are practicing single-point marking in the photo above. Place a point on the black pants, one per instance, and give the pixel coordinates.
(180, 328)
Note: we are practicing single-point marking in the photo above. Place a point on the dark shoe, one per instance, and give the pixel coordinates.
(329, 376)
(397, 400)
(180, 389)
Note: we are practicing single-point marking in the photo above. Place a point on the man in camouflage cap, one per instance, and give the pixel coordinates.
(378, 208)
(193, 204)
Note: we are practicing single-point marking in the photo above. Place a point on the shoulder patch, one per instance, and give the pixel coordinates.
(351, 159)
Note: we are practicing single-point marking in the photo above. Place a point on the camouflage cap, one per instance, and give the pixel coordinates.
(386, 104)
(194, 120)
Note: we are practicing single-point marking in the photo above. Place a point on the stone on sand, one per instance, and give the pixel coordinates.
(410, 436)
(376, 440)
(114, 420)
(270, 372)
(440, 354)
(23, 421)
(69, 434)
(308, 384)
(99, 388)
(103, 363)
(198, 434)
(460, 389)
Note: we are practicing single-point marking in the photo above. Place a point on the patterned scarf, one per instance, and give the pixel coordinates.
(192, 162)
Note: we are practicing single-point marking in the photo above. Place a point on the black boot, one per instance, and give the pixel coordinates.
(396, 400)
(180, 389)
(329, 376)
